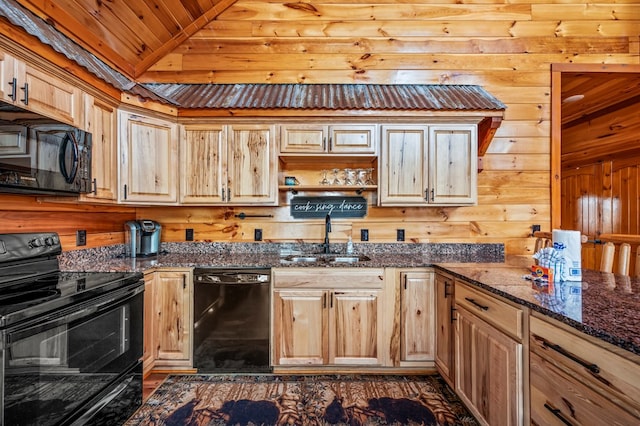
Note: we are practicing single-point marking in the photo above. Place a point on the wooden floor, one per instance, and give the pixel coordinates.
(150, 383)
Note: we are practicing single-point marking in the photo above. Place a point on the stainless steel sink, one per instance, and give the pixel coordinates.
(325, 258)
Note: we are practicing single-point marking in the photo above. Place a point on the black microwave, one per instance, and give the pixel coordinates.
(42, 156)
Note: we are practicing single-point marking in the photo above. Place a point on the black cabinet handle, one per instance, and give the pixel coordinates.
(558, 413)
(447, 284)
(228, 193)
(426, 194)
(476, 304)
(25, 88)
(184, 282)
(324, 301)
(588, 365)
(453, 315)
(432, 194)
(125, 191)
(405, 282)
(94, 183)
(14, 88)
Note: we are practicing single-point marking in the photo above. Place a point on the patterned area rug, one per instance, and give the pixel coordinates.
(208, 400)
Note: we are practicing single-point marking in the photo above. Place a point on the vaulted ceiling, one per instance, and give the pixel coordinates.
(329, 41)
(130, 35)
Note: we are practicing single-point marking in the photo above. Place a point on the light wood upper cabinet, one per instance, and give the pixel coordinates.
(327, 317)
(444, 354)
(101, 123)
(32, 89)
(8, 72)
(148, 159)
(417, 320)
(53, 97)
(251, 165)
(428, 165)
(173, 318)
(202, 159)
(228, 164)
(319, 138)
(453, 164)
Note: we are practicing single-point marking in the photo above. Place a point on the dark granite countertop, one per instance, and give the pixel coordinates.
(602, 305)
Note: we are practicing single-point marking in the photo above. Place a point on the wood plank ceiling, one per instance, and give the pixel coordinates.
(338, 41)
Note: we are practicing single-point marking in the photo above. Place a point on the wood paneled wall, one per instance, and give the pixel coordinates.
(104, 224)
(506, 48)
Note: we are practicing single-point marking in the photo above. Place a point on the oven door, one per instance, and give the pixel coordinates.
(55, 367)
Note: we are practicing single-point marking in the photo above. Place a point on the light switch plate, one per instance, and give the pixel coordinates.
(188, 234)
(400, 235)
(364, 235)
(257, 234)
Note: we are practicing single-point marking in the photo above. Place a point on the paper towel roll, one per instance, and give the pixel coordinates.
(568, 242)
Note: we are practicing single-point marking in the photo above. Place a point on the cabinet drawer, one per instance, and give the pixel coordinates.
(328, 277)
(557, 398)
(496, 312)
(610, 374)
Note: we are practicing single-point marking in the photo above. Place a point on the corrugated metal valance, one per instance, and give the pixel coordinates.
(329, 96)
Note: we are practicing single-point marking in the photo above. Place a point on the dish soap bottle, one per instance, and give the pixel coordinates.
(349, 245)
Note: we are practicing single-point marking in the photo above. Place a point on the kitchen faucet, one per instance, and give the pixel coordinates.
(327, 229)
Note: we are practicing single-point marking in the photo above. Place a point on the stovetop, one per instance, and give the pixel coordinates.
(32, 285)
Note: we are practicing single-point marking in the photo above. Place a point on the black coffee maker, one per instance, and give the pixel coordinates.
(142, 238)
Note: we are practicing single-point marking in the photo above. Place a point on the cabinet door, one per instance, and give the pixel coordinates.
(9, 91)
(53, 97)
(417, 321)
(453, 164)
(101, 123)
(201, 164)
(173, 318)
(488, 371)
(303, 138)
(251, 165)
(149, 159)
(353, 139)
(354, 335)
(300, 327)
(444, 327)
(403, 167)
(149, 321)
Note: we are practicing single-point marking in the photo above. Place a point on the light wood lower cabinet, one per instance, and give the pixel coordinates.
(417, 318)
(444, 354)
(489, 374)
(327, 317)
(578, 380)
(171, 317)
(147, 340)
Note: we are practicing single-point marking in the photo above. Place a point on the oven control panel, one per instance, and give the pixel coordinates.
(28, 245)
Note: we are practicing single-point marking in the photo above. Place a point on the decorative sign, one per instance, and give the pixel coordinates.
(312, 207)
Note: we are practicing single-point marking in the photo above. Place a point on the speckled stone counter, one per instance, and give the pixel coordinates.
(269, 255)
(603, 305)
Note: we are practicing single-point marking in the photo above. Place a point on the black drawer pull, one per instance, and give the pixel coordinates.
(589, 366)
(447, 284)
(558, 413)
(476, 304)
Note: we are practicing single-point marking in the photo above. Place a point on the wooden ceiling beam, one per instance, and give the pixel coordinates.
(182, 36)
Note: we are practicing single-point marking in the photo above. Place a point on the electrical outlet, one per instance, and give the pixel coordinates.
(81, 237)
(399, 234)
(188, 234)
(257, 234)
(364, 235)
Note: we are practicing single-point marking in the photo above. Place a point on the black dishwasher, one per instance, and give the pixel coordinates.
(231, 320)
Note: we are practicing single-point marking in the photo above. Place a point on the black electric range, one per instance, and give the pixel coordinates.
(71, 342)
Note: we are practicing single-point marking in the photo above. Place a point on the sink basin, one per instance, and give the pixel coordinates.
(327, 258)
(300, 258)
(349, 258)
